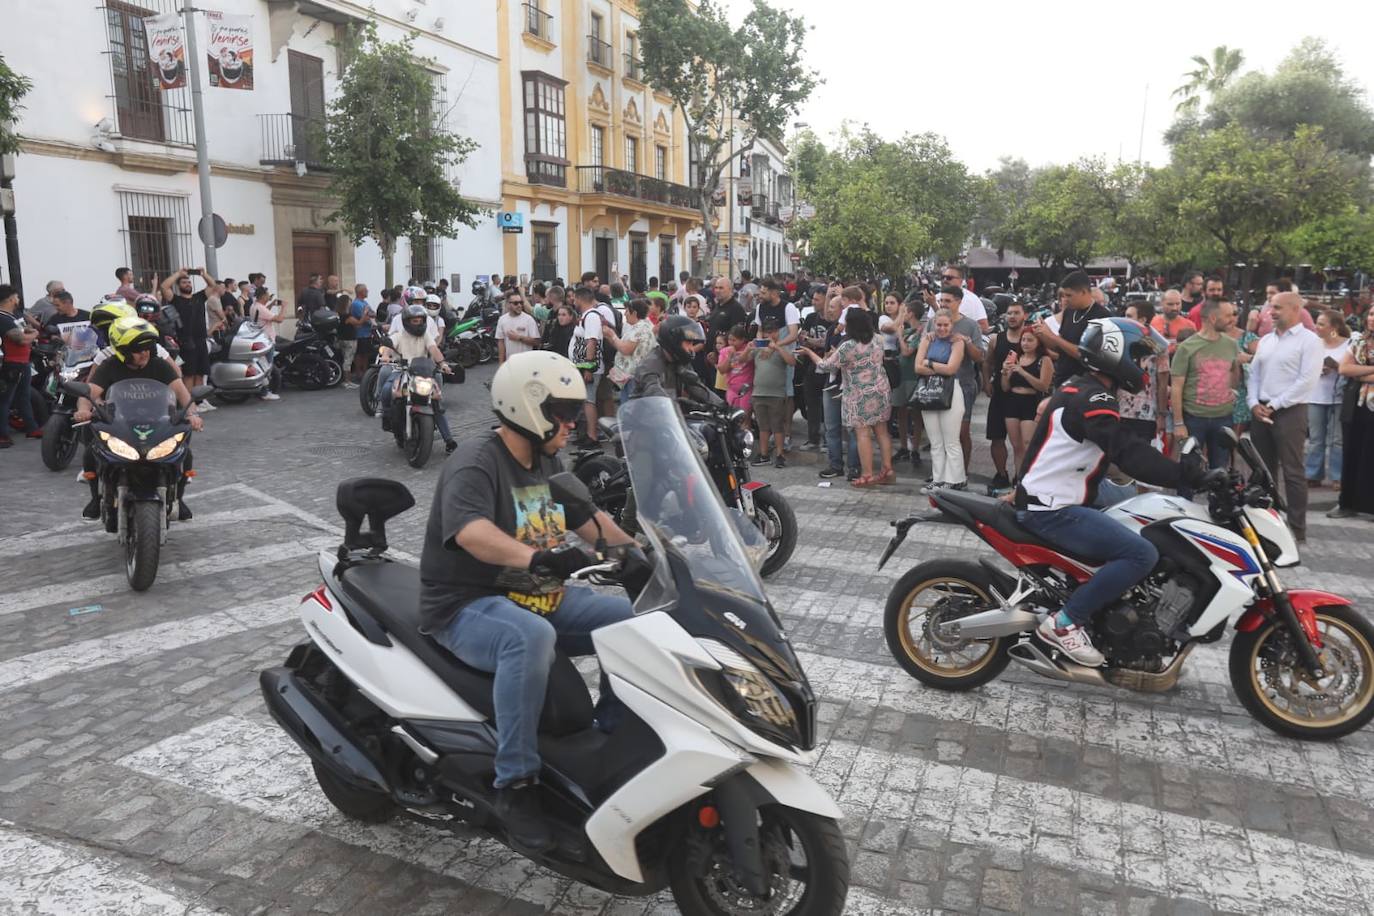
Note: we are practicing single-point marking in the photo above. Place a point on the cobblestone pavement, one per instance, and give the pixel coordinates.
(140, 774)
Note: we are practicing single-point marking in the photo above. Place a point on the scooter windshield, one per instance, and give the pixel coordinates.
(140, 400)
(679, 510)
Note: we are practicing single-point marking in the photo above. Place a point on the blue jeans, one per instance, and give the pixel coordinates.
(1208, 433)
(384, 376)
(18, 398)
(627, 391)
(1323, 432)
(830, 401)
(495, 634)
(1087, 533)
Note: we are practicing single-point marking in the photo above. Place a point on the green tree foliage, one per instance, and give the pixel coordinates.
(13, 87)
(1309, 87)
(997, 195)
(1062, 220)
(1342, 238)
(1249, 195)
(1209, 77)
(748, 80)
(388, 162)
(857, 232)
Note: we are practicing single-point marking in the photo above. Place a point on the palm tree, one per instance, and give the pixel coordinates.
(1210, 77)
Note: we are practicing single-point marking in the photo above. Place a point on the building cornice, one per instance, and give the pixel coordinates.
(137, 160)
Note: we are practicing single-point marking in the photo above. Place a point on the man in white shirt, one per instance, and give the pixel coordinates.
(971, 307)
(516, 331)
(1283, 374)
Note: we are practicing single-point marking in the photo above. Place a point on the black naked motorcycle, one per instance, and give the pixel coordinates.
(411, 418)
(62, 437)
(140, 439)
(313, 360)
(725, 442)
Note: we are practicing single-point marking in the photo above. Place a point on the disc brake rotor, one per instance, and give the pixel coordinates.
(945, 610)
(724, 889)
(1285, 677)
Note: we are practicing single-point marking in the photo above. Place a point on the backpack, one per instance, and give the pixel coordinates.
(608, 352)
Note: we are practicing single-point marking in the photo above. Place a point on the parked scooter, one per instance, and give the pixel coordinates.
(698, 788)
(243, 368)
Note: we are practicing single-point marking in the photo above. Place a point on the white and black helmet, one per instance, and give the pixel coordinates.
(1115, 347)
(535, 392)
(433, 305)
(415, 319)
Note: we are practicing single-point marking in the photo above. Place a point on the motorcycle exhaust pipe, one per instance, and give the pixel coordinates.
(1030, 655)
(988, 624)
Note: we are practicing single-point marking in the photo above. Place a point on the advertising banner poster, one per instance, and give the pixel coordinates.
(230, 51)
(167, 49)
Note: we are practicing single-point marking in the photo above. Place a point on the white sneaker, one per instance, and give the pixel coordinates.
(1072, 640)
(350, 384)
(271, 396)
(206, 406)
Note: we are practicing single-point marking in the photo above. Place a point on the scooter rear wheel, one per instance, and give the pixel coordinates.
(359, 804)
(935, 592)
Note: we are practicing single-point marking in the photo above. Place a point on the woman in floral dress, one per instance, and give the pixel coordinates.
(866, 404)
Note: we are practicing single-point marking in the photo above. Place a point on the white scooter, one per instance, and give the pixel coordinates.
(698, 787)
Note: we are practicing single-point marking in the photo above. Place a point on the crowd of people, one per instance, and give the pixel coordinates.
(880, 371)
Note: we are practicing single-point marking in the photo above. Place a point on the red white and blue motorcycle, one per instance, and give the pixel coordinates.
(1301, 661)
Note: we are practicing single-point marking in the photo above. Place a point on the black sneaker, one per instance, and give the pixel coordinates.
(759, 461)
(183, 511)
(523, 816)
(450, 446)
(852, 475)
(779, 462)
(831, 473)
(959, 486)
(902, 454)
(92, 511)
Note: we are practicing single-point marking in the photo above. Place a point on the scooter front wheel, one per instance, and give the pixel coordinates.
(927, 596)
(804, 859)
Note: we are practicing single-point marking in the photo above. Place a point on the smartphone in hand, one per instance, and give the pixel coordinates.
(761, 342)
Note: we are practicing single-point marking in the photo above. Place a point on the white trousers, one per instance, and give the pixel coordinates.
(942, 429)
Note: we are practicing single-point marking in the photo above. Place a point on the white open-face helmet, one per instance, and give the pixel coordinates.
(534, 392)
(432, 305)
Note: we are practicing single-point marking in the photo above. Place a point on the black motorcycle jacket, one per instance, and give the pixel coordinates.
(657, 376)
(1078, 436)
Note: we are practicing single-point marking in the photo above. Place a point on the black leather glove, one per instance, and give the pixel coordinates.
(561, 562)
(1193, 469)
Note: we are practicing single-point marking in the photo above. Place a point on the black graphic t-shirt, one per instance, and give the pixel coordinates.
(481, 480)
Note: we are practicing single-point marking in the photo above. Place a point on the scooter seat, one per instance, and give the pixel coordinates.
(999, 515)
(390, 592)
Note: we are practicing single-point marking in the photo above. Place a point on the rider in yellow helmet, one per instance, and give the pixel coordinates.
(134, 341)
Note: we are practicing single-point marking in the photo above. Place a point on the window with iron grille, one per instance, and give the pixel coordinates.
(544, 251)
(157, 235)
(426, 259)
(142, 110)
(546, 159)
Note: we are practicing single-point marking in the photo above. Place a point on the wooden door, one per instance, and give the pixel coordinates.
(311, 253)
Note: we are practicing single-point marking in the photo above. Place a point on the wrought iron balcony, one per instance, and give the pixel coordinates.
(548, 170)
(634, 67)
(288, 139)
(598, 179)
(537, 22)
(599, 52)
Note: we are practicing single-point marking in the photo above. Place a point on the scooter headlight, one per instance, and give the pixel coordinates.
(119, 447)
(423, 386)
(165, 447)
(744, 690)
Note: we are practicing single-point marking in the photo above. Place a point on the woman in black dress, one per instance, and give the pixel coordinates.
(1026, 380)
(1357, 469)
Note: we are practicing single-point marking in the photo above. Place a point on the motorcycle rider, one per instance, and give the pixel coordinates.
(413, 340)
(666, 372)
(107, 313)
(1079, 434)
(494, 564)
(134, 341)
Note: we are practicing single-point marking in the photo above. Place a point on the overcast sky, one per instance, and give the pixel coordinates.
(1048, 81)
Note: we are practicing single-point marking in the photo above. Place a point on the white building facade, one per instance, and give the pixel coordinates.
(755, 237)
(107, 173)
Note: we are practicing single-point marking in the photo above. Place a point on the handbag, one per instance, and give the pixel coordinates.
(933, 392)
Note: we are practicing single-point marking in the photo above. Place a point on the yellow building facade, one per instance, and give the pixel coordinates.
(594, 162)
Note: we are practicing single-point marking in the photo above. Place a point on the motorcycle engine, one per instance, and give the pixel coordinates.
(1139, 631)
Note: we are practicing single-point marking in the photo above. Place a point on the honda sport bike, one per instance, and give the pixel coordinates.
(1301, 661)
(697, 788)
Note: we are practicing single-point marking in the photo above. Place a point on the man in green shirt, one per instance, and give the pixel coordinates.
(1205, 370)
